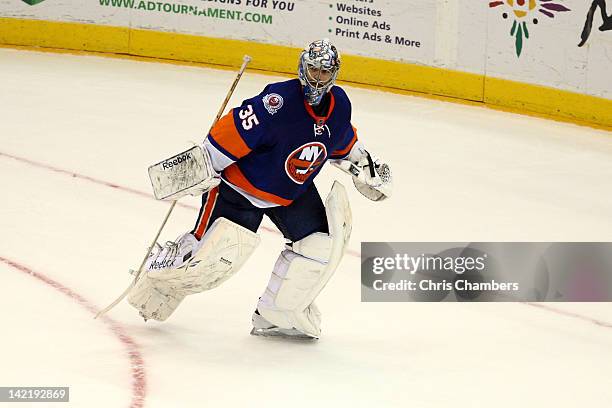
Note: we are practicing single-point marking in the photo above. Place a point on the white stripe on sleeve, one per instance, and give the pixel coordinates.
(219, 160)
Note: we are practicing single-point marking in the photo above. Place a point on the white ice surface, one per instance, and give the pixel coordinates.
(461, 173)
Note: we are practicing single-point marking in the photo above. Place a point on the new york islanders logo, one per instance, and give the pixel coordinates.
(272, 102)
(304, 161)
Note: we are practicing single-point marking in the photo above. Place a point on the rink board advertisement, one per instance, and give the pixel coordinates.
(564, 44)
(534, 55)
(390, 30)
(486, 272)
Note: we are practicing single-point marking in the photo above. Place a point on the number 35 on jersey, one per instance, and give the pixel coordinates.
(249, 119)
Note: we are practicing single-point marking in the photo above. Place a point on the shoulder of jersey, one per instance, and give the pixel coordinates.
(342, 101)
(280, 97)
(340, 95)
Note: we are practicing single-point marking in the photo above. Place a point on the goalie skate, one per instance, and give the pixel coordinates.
(262, 327)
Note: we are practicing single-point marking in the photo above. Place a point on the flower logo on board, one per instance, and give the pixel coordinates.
(524, 11)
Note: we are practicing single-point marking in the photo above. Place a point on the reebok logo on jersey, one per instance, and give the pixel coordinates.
(168, 164)
(304, 161)
(272, 102)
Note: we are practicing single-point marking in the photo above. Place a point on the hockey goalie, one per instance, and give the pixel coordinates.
(261, 159)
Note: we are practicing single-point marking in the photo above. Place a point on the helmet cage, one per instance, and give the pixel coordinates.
(321, 57)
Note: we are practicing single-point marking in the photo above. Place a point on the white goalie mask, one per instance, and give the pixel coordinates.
(318, 69)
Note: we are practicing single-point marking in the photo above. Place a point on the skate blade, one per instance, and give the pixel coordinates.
(283, 334)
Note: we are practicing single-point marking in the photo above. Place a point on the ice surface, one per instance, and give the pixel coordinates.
(76, 136)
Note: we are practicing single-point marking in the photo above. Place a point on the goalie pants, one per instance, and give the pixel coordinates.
(304, 216)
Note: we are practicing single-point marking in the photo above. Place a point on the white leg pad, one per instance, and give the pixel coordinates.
(152, 302)
(224, 249)
(291, 286)
(301, 273)
(219, 255)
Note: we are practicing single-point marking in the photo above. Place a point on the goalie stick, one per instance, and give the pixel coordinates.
(138, 273)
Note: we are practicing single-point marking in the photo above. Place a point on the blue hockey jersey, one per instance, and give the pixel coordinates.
(274, 145)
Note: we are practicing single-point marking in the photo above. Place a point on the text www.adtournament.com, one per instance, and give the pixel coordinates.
(186, 9)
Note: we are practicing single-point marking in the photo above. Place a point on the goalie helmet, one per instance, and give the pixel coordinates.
(318, 69)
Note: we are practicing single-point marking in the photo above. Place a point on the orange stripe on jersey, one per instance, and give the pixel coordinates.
(226, 135)
(235, 176)
(347, 149)
(320, 120)
(211, 200)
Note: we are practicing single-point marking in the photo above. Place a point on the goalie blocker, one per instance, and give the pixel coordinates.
(187, 173)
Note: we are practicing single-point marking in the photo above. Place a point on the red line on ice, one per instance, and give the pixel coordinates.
(549, 308)
(119, 187)
(139, 383)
